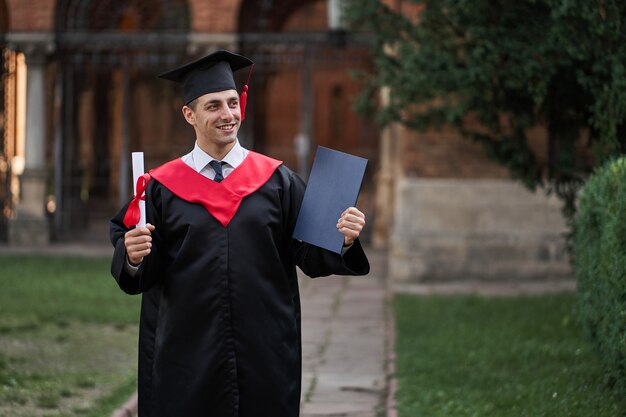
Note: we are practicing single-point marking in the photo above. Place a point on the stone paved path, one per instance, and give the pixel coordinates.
(343, 344)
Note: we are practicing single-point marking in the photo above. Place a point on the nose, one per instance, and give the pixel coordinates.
(227, 113)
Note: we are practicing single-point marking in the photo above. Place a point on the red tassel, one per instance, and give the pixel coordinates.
(243, 102)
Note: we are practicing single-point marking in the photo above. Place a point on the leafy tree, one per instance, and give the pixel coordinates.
(493, 69)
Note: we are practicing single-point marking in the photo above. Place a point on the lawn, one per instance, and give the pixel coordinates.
(68, 338)
(461, 356)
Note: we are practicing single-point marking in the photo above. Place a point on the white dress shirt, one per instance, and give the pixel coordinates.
(199, 160)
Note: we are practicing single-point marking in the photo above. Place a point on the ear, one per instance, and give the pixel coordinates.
(189, 115)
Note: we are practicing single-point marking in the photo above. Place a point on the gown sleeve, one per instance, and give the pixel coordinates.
(315, 261)
(143, 280)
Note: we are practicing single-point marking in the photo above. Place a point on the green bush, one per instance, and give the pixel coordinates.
(600, 239)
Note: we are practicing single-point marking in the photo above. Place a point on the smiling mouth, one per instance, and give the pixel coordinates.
(227, 127)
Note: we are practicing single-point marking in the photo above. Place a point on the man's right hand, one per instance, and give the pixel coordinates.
(138, 243)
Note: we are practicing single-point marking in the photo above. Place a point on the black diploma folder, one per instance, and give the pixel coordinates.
(333, 186)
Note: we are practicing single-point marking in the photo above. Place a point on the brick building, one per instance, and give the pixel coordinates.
(80, 93)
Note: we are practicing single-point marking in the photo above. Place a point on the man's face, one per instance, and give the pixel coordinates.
(216, 118)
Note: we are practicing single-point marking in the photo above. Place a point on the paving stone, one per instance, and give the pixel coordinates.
(343, 336)
(332, 409)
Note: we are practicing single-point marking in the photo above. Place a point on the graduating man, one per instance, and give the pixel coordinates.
(220, 313)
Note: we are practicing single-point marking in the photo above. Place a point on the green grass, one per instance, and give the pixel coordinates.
(58, 289)
(462, 356)
(68, 338)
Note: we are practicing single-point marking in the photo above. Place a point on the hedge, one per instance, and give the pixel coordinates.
(600, 263)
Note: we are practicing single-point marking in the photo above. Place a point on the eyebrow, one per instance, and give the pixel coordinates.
(216, 101)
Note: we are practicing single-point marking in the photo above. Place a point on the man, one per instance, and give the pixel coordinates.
(220, 314)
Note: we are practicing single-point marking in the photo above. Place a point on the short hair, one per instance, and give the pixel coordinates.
(193, 104)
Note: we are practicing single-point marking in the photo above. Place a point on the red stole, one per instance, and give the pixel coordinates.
(221, 200)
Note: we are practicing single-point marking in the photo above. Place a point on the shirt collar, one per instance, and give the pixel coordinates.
(233, 158)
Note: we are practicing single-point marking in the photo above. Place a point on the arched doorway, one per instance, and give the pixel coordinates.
(109, 102)
(303, 88)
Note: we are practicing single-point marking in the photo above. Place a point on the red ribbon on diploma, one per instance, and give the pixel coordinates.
(133, 213)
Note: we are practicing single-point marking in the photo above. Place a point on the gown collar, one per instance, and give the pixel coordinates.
(221, 200)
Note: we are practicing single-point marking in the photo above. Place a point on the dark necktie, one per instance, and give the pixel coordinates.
(217, 167)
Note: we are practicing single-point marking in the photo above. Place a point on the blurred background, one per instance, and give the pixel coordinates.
(80, 93)
(495, 134)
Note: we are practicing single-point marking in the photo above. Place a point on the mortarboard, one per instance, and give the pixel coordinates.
(210, 74)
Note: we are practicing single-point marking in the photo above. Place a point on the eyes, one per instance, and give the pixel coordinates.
(215, 105)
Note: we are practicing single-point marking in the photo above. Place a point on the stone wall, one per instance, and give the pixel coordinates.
(483, 229)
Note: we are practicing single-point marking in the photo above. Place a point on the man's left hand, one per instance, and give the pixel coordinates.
(350, 224)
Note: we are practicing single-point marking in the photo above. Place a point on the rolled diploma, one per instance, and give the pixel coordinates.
(138, 172)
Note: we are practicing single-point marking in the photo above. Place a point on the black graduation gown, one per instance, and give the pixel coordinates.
(220, 313)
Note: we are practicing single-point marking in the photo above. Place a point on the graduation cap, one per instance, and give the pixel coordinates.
(211, 74)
